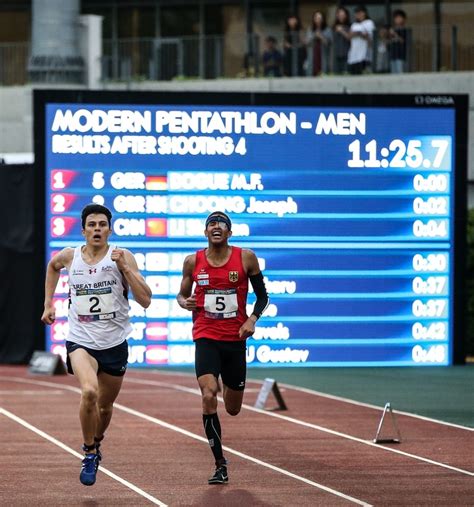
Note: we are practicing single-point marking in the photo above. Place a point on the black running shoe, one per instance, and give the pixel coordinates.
(90, 464)
(97, 450)
(220, 476)
(97, 443)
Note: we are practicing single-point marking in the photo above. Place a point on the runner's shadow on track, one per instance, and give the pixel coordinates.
(220, 496)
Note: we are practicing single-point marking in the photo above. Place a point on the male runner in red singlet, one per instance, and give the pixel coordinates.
(97, 350)
(220, 274)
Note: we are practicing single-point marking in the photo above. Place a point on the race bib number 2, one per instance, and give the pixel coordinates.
(221, 304)
(95, 304)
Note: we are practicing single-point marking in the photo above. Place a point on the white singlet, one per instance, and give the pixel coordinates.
(98, 311)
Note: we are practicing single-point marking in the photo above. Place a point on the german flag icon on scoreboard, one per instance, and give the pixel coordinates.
(158, 183)
(156, 227)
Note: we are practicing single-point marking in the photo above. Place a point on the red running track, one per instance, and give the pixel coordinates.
(317, 453)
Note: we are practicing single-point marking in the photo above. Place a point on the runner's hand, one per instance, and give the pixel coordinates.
(49, 315)
(247, 329)
(190, 303)
(118, 256)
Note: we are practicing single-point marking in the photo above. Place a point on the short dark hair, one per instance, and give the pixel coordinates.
(361, 8)
(95, 209)
(219, 214)
(399, 12)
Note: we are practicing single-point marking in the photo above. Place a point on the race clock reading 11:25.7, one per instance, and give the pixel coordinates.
(423, 153)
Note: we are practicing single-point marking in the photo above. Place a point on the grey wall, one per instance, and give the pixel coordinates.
(16, 102)
(16, 120)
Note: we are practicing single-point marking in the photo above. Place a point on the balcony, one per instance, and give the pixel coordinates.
(429, 49)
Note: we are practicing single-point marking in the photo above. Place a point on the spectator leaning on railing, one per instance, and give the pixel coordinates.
(319, 41)
(381, 50)
(272, 58)
(361, 36)
(399, 35)
(294, 49)
(341, 40)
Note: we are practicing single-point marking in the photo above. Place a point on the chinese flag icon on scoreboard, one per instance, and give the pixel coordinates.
(156, 183)
(156, 227)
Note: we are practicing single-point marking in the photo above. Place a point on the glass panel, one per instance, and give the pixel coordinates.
(234, 44)
(461, 16)
(213, 21)
(15, 26)
(177, 21)
(136, 22)
(106, 14)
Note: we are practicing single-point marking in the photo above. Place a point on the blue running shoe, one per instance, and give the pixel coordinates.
(90, 464)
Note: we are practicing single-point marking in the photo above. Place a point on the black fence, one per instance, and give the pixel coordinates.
(429, 48)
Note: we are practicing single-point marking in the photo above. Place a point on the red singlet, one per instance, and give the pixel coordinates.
(221, 295)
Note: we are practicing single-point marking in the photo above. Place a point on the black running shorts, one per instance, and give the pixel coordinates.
(227, 359)
(112, 361)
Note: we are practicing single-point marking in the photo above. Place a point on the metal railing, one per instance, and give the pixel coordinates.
(207, 57)
(429, 49)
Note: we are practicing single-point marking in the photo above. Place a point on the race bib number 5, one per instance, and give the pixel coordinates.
(220, 304)
(95, 304)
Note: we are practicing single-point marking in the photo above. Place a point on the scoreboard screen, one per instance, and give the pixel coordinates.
(349, 203)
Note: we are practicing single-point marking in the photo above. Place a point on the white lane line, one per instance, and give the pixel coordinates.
(196, 392)
(329, 396)
(177, 429)
(167, 385)
(31, 392)
(202, 439)
(54, 441)
(368, 405)
(310, 425)
(42, 383)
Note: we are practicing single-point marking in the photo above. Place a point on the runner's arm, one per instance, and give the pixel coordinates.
(129, 268)
(59, 261)
(184, 298)
(258, 284)
(255, 276)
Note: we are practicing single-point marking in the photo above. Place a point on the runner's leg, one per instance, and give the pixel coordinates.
(85, 369)
(234, 373)
(232, 400)
(109, 388)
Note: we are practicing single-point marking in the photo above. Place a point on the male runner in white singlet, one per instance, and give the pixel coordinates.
(97, 350)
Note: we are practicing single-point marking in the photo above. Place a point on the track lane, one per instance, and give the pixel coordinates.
(325, 460)
(169, 465)
(449, 445)
(359, 470)
(39, 470)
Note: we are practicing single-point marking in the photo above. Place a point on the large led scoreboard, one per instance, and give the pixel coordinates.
(352, 204)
